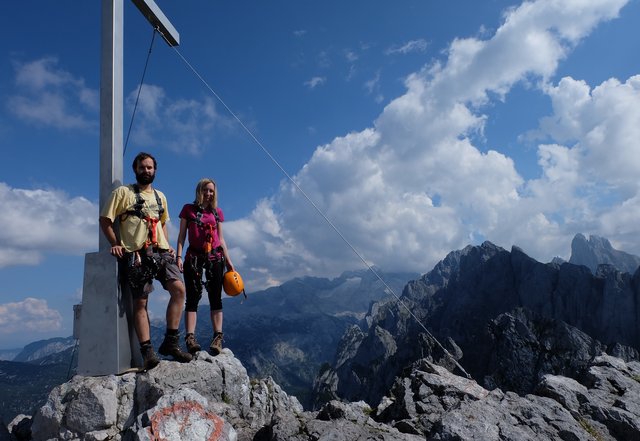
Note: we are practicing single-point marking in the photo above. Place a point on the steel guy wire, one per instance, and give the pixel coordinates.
(135, 106)
(313, 204)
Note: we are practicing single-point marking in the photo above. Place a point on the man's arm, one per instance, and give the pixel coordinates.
(106, 225)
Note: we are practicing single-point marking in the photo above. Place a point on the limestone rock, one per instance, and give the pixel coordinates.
(526, 346)
(182, 415)
(335, 421)
(561, 315)
(19, 428)
(216, 391)
(213, 398)
(441, 406)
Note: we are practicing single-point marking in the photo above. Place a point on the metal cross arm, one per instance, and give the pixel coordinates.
(158, 20)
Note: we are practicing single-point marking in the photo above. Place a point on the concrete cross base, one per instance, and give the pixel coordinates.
(108, 342)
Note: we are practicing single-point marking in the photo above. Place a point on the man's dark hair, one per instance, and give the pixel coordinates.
(141, 157)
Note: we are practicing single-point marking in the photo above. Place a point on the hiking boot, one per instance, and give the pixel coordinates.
(149, 357)
(216, 344)
(170, 347)
(192, 345)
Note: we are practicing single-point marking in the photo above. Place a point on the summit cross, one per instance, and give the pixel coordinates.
(103, 323)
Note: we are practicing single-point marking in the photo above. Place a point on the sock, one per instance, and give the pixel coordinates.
(172, 331)
(145, 343)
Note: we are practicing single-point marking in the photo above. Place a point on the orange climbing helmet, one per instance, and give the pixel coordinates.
(232, 283)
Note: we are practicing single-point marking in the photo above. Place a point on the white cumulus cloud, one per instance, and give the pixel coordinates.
(50, 96)
(38, 221)
(29, 315)
(181, 125)
(413, 186)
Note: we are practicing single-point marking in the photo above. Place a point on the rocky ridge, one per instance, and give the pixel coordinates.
(39, 351)
(562, 316)
(212, 398)
(603, 405)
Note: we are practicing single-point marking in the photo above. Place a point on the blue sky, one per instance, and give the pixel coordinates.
(417, 127)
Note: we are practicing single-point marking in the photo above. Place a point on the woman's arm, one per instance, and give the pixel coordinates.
(223, 245)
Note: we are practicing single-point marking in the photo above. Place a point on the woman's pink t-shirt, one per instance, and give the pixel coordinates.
(196, 233)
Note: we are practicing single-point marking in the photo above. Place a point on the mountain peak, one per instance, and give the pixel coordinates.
(597, 251)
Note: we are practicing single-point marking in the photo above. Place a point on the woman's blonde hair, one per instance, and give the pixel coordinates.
(200, 190)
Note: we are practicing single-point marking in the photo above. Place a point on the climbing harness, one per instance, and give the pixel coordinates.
(142, 265)
(209, 230)
(203, 262)
(139, 205)
(152, 222)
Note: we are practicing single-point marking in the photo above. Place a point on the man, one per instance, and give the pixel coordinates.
(144, 254)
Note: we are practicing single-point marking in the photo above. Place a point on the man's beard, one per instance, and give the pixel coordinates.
(145, 179)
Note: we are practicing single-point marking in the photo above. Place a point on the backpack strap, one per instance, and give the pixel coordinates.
(137, 207)
(199, 213)
(159, 202)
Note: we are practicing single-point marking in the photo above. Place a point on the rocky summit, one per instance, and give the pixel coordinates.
(489, 345)
(212, 398)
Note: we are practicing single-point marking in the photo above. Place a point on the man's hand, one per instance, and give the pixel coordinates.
(117, 251)
(106, 225)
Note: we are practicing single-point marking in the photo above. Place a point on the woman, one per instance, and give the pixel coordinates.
(206, 255)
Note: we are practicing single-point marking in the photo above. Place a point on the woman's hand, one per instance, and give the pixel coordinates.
(179, 263)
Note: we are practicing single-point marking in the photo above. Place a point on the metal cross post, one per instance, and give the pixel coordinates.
(108, 344)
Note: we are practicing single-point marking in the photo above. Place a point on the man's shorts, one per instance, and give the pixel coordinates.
(139, 269)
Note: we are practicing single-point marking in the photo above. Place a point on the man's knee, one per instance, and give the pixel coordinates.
(176, 289)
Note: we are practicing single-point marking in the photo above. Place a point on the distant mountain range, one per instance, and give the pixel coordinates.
(285, 332)
(9, 354)
(46, 351)
(351, 326)
(34, 370)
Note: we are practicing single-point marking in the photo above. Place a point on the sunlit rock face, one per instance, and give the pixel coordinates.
(567, 312)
